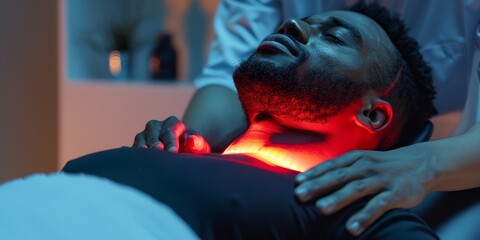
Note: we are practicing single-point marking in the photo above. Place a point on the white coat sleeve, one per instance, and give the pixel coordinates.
(471, 112)
(239, 27)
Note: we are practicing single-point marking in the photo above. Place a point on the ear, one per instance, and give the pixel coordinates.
(375, 115)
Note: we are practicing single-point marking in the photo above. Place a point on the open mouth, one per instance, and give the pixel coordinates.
(279, 43)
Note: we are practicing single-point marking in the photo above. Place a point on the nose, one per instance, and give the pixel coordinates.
(296, 28)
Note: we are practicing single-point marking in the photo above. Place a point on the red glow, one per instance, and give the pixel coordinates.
(253, 161)
(276, 145)
(300, 146)
(272, 156)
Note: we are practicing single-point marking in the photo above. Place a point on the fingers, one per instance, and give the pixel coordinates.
(340, 162)
(152, 134)
(140, 141)
(196, 144)
(172, 130)
(335, 179)
(171, 135)
(348, 194)
(375, 208)
(161, 135)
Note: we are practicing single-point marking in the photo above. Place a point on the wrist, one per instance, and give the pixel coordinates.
(447, 162)
(437, 171)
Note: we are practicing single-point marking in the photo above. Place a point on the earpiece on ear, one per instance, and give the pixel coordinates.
(375, 115)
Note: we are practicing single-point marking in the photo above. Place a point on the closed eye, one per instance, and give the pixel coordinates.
(334, 39)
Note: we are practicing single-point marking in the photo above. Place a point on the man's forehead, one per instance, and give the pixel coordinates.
(368, 28)
(351, 17)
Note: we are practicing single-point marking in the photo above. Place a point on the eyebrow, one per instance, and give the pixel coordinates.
(341, 23)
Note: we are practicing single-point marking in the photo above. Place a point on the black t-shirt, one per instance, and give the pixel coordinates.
(236, 197)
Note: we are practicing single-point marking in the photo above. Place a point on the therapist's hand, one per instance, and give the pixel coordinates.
(171, 135)
(395, 179)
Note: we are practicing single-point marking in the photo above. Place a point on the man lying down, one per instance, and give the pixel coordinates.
(319, 87)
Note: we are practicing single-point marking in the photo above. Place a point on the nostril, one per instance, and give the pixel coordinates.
(292, 32)
(293, 28)
(295, 31)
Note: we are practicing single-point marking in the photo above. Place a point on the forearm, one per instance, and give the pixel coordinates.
(456, 161)
(215, 112)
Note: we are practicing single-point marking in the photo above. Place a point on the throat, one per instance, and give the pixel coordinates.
(270, 155)
(280, 146)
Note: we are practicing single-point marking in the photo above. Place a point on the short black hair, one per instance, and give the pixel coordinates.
(413, 94)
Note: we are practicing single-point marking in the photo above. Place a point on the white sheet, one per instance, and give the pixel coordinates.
(62, 206)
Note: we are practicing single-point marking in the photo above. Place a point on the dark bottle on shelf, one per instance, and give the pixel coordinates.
(163, 61)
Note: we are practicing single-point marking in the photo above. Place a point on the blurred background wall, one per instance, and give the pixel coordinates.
(136, 29)
(28, 87)
(100, 109)
(46, 118)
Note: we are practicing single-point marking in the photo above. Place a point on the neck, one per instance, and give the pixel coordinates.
(277, 145)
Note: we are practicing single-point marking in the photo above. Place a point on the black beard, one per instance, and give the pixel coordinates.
(289, 92)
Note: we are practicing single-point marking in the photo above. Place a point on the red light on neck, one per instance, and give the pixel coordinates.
(272, 157)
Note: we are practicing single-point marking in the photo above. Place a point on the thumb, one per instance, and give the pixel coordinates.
(196, 144)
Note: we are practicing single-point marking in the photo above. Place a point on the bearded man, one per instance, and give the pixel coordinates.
(317, 88)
